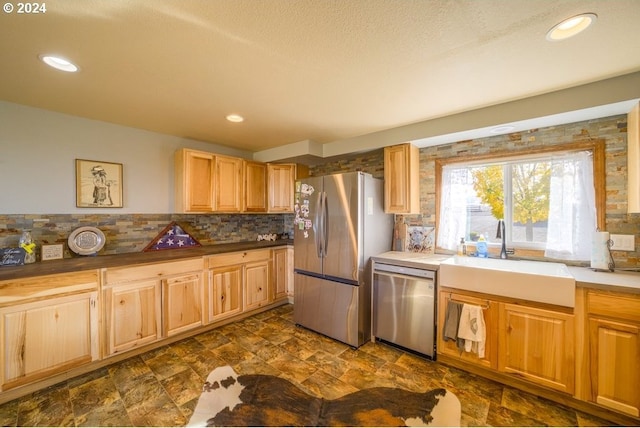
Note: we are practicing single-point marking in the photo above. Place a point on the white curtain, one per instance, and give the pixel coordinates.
(572, 209)
(453, 207)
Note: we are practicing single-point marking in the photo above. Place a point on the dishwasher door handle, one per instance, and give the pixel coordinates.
(405, 277)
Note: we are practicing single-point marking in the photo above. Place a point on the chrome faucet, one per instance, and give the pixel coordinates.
(500, 234)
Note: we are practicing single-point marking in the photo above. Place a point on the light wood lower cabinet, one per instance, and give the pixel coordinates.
(132, 315)
(257, 283)
(183, 303)
(527, 342)
(538, 345)
(146, 303)
(282, 273)
(46, 337)
(243, 281)
(612, 343)
(224, 292)
(490, 313)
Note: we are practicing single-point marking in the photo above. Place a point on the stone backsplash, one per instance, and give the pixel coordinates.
(127, 233)
(612, 129)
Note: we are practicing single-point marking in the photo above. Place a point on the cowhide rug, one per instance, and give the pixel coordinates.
(259, 400)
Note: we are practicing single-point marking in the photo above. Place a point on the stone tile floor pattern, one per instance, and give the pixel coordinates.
(161, 387)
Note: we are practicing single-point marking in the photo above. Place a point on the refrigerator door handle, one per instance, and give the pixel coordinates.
(318, 236)
(325, 223)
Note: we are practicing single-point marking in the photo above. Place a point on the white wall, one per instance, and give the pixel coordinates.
(38, 149)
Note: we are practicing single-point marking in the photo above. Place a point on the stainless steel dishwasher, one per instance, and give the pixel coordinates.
(404, 307)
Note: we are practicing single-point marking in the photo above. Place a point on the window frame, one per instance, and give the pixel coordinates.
(596, 147)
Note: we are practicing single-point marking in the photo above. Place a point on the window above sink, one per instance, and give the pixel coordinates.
(551, 198)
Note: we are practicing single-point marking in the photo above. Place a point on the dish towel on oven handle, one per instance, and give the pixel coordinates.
(472, 329)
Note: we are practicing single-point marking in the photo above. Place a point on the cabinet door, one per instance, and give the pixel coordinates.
(44, 338)
(282, 179)
(133, 315)
(255, 186)
(228, 184)
(182, 303)
(490, 314)
(402, 179)
(280, 273)
(537, 344)
(194, 181)
(224, 292)
(256, 284)
(614, 364)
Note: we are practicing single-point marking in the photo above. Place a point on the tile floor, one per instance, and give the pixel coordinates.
(161, 387)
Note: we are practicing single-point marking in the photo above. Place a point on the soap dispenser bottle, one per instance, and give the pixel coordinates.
(481, 247)
(462, 248)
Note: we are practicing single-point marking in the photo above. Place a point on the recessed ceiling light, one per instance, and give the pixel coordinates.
(59, 63)
(235, 118)
(502, 129)
(571, 26)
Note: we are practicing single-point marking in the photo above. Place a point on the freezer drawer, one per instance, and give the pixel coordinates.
(404, 309)
(333, 309)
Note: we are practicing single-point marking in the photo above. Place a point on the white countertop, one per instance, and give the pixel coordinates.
(624, 281)
(416, 260)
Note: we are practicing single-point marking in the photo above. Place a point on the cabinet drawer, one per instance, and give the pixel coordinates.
(140, 272)
(237, 258)
(614, 306)
(37, 287)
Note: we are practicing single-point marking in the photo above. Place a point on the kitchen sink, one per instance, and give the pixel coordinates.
(544, 282)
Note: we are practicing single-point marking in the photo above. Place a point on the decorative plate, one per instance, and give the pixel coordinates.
(86, 240)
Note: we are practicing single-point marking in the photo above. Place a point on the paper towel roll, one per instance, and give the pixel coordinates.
(600, 251)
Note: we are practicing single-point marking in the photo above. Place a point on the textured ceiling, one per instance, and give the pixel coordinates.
(317, 70)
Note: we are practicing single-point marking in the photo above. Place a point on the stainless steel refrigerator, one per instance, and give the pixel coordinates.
(339, 224)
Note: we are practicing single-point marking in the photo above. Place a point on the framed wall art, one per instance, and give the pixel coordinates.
(98, 184)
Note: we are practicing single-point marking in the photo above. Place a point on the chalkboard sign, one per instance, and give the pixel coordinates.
(11, 256)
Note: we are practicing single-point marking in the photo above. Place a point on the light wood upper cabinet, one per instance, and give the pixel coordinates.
(47, 337)
(194, 178)
(538, 345)
(208, 182)
(612, 331)
(183, 303)
(255, 186)
(402, 179)
(228, 184)
(282, 179)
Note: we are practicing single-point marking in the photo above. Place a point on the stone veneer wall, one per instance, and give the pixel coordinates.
(127, 233)
(612, 129)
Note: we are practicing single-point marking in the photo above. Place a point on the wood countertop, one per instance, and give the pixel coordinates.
(81, 263)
